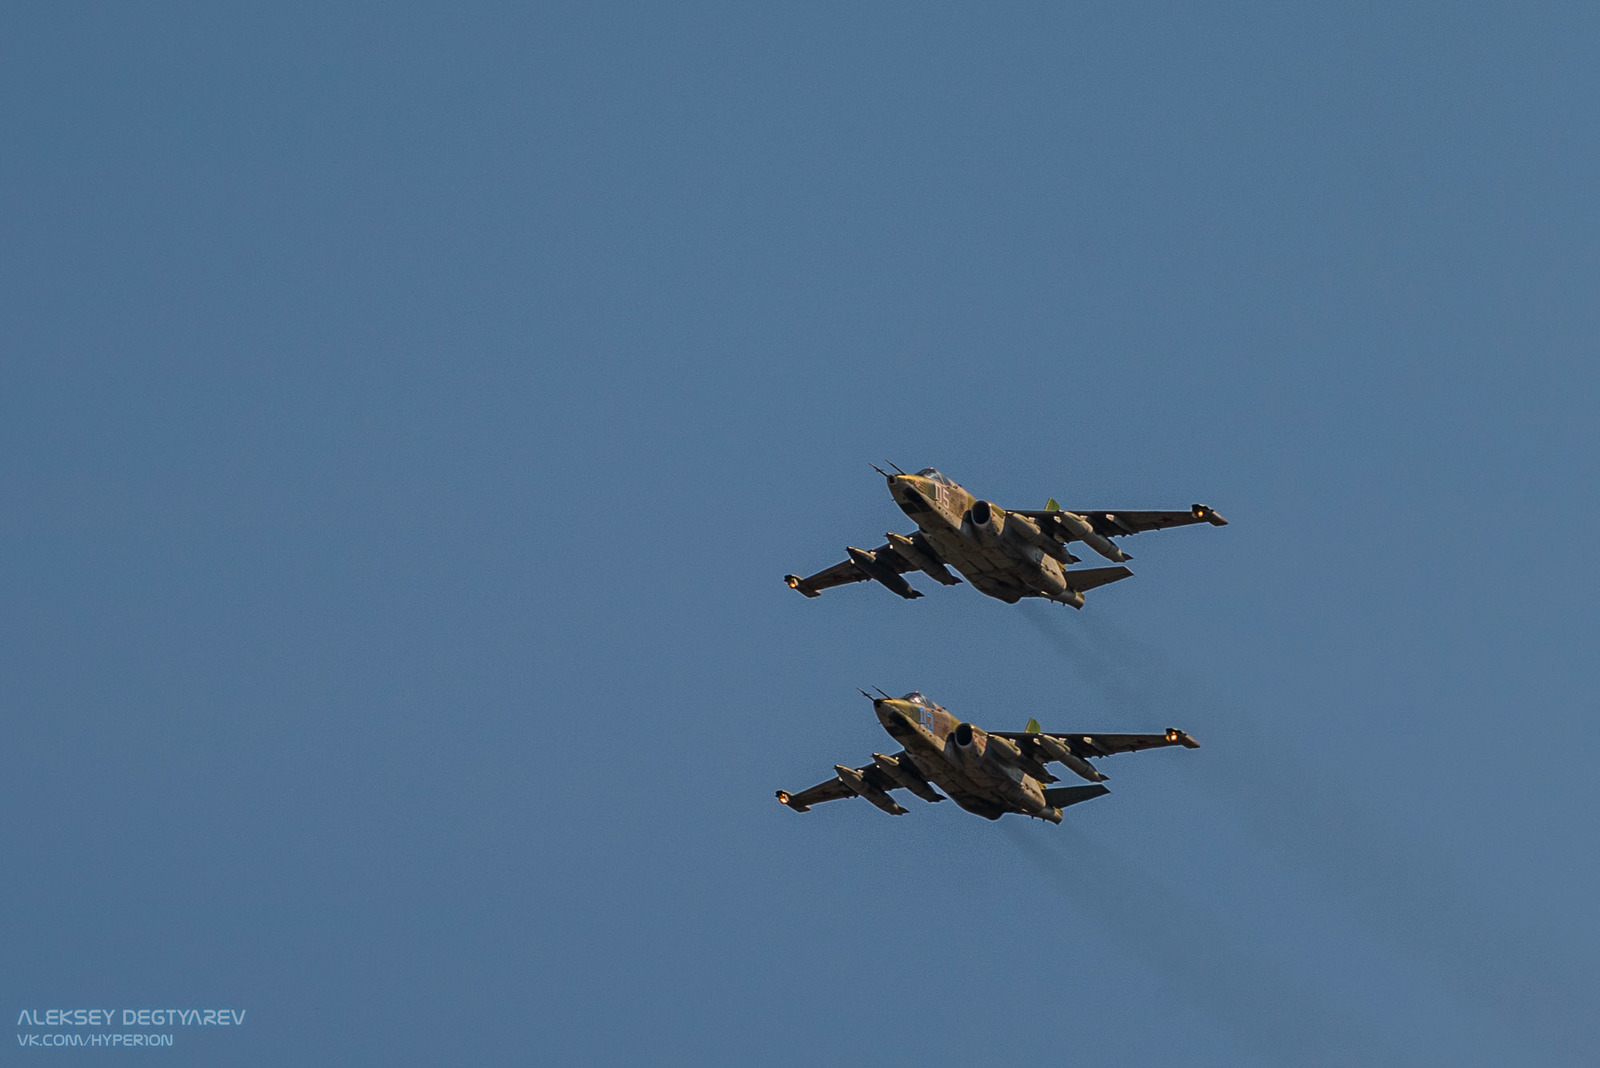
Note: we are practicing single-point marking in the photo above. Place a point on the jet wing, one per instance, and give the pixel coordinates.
(872, 784)
(850, 570)
(1115, 524)
(1099, 745)
(832, 790)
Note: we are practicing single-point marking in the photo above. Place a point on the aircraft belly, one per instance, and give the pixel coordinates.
(954, 781)
(997, 789)
(981, 802)
(981, 806)
(990, 570)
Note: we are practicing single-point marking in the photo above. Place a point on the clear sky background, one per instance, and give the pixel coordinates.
(409, 413)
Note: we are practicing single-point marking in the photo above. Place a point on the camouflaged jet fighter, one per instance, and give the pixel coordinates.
(986, 772)
(1009, 555)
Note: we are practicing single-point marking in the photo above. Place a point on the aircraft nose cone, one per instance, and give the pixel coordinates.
(903, 486)
(889, 710)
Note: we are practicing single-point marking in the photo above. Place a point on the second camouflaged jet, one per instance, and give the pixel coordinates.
(986, 772)
(1005, 554)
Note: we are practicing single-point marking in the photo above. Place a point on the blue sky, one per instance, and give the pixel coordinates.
(409, 414)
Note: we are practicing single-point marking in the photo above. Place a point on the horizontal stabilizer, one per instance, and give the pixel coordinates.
(1087, 578)
(1062, 796)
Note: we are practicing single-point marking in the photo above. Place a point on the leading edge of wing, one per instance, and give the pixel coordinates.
(1098, 745)
(869, 782)
(1120, 522)
(883, 564)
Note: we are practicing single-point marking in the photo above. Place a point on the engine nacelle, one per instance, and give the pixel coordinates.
(1028, 795)
(1004, 749)
(990, 756)
(995, 762)
(972, 744)
(985, 523)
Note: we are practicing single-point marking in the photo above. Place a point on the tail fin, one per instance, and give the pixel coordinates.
(1032, 727)
(1062, 796)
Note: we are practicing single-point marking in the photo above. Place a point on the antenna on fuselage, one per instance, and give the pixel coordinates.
(894, 465)
(886, 697)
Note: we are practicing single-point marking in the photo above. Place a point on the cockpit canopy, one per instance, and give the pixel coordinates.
(916, 698)
(933, 473)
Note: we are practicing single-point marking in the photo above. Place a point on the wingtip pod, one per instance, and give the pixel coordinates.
(786, 799)
(1209, 515)
(1181, 738)
(795, 583)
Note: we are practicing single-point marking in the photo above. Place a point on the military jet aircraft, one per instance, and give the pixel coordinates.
(1005, 554)
(987, 772)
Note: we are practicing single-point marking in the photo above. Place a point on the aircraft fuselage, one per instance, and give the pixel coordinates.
(972, 537)
(963, 760)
